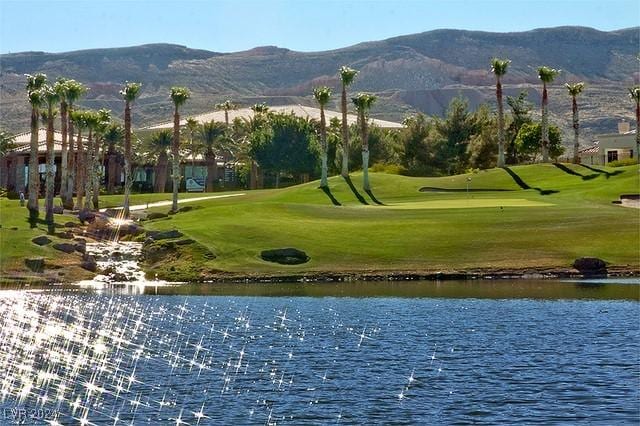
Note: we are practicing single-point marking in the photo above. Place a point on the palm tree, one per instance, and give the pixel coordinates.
(129, 93)
(634, 94)
(499, 69)
(179, 96)
(547, 75)
(61, 88)
(211, 134)
(322, 95)
(73, 92)
(51, 99)
(347, 75)
(363, 103)
(113, 135)
(91, 121)
(260, 109)
(226, 106)
(192, 127)
(103, 120)
(6, 142)
(34, 84)
(574, 90)
(159, 145)
(79, 120)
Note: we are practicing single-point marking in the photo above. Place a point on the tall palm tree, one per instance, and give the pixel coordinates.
(179, 96)
(499, 69)
(574, 90)
(103, 120)
(363, 103)
(634, 94)
(211, 134)
(322, 95)
(79, 120)
(347, 75)
(129, 93)
(159, 145)
(91, 121)
(113, 135)
(51, 99)
(547, 75)
(73, 91)
(34, 84)
(192, 126)
(61, 89)
(226, 106)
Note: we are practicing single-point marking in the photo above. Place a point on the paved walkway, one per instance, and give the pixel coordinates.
(180, 201)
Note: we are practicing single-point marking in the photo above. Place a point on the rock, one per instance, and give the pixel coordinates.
(89, 263)
(156, 215)
(285, 256)
(65, 247)
(58, 210)
(130, 229)
(41, 240)
(113, 212)
(86, 215)
(80, 247)
(164, 235)
(185, 209)
(36, 264)
(185, 242)
(590, 266)
(70, 225)
(65, 235)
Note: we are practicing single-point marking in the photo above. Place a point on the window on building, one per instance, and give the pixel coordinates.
(612, 156)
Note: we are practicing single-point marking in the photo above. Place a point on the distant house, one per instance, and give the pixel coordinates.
(611, 147)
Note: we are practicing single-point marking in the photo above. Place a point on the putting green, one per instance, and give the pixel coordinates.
(467, 204)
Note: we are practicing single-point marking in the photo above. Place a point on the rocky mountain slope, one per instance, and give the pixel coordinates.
(419, 72)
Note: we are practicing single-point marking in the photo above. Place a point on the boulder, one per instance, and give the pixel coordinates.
(590, 266)
(70, 225)
(86, 215)
(36, 264)
(41, 240)
(65, 235)
(156, 215)
(164, 235)
(89, 263)
(185, 209)
(185, 242)
(285, 256)
(65, 247)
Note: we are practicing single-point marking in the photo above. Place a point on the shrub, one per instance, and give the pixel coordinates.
(392, 169)
(624, 162)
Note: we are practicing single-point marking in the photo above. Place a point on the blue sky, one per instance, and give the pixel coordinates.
(306, 25)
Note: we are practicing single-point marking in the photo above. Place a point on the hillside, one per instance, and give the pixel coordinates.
(419, 72)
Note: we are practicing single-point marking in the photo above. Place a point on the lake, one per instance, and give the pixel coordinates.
(485, 352)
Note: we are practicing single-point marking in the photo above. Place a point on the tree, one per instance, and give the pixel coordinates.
(61, 89)
(520, 110)
(482, 145)
(73, 91)
(212, 132)
(103, 120)
(51, 99)
(547, 75)
(179, 96)
(91, 120)
(452, 137)
(226, 106)
(574, 90)
(416, 156)
(499, 69)
(6, 142)
(347, 75)
(322, 95)
(34, 84)
(159, 146)
(363, 102)
(113, 136)
(192, 127)
(78, 118)
(129, 93)
(634, 94)
(529, 141)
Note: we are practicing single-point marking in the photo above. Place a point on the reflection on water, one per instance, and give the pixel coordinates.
(81, 357)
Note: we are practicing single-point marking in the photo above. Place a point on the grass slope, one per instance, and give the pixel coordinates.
(566, 213)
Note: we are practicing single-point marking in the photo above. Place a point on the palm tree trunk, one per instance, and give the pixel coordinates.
(88, 171)
(50, 176)
(64, 171)
(175, 161)
(128, 179)
(211, 169)
(161, 173)
(638, 131)
(500, 123)
(545, 125)
(576, 132)
(226, 117)
(71, 166)
(34, 175)
(98, 160)
(345, 133)
(323, 136)
(80, 160)
(365, 151)
(111, 168)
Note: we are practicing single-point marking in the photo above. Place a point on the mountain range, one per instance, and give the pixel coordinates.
(411, 73)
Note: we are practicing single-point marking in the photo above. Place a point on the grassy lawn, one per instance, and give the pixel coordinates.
(566, 213)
